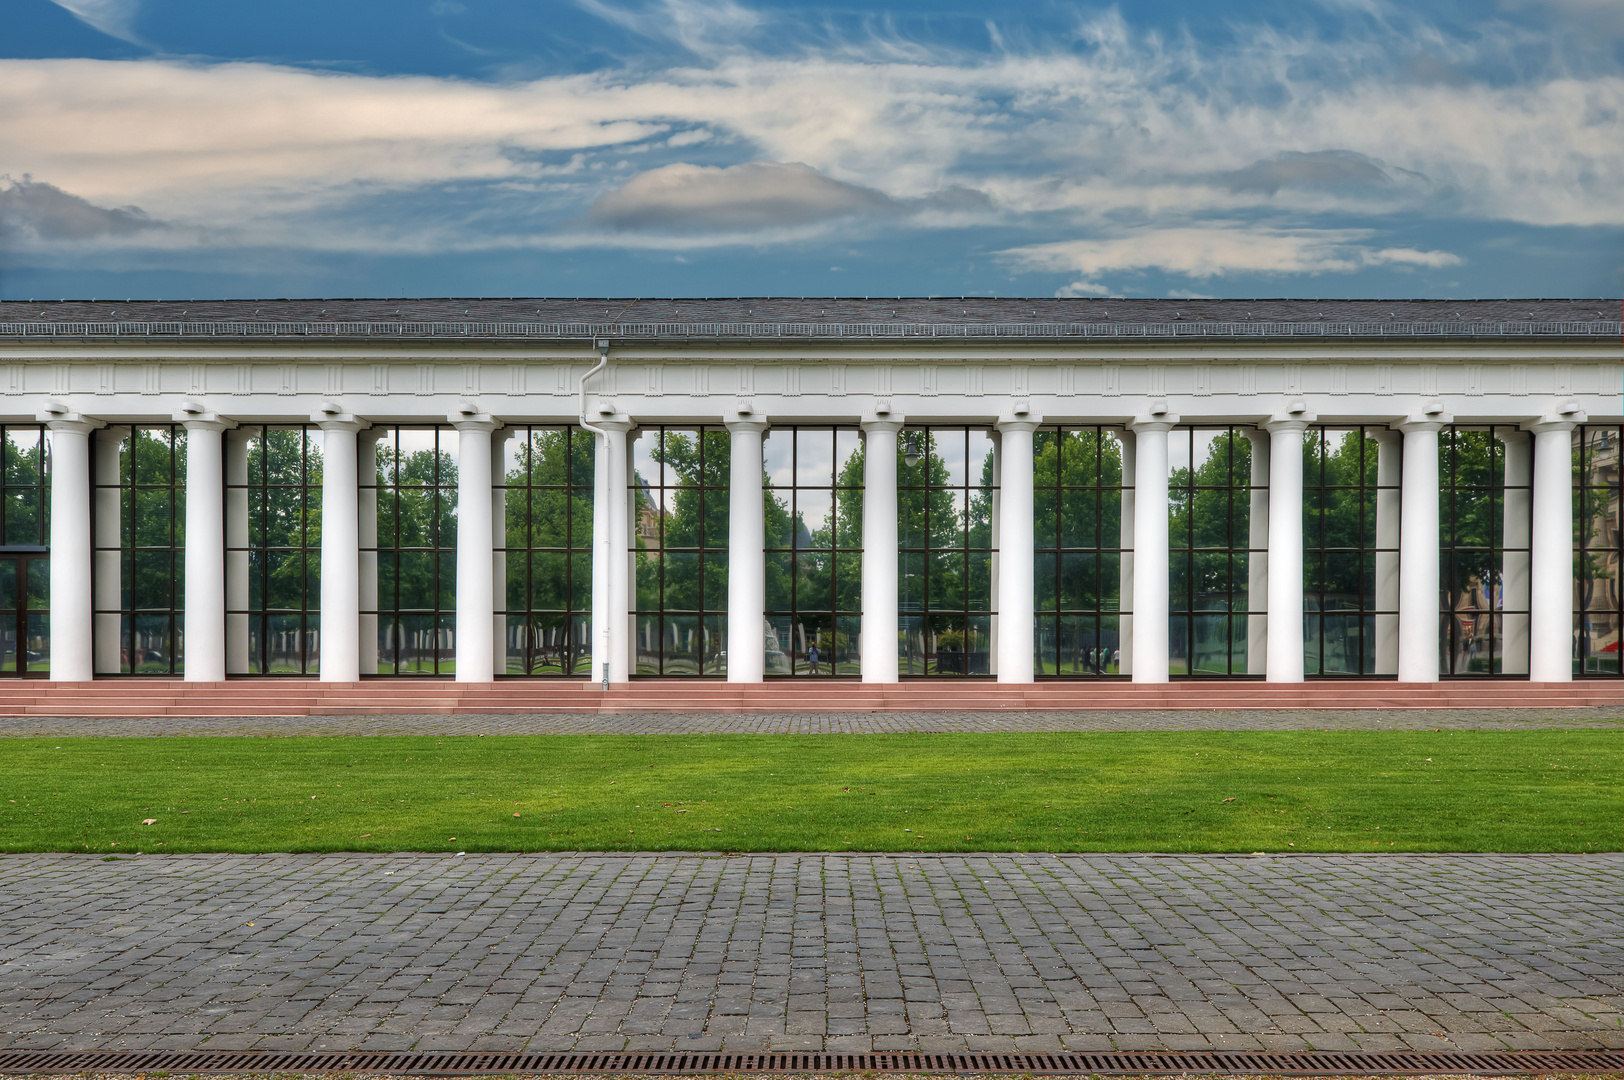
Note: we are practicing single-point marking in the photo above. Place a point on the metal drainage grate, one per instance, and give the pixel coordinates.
(1168, 1062)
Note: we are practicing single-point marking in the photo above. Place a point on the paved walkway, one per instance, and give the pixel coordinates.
(832, 952)
(832, 723)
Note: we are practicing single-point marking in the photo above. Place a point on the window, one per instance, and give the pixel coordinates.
(1486, 518)
(1598, 549)
(140, 482)
(946, 486)
(545, 554)
(25, 568)
(1350, 550)
(1214, 551)
(814, 550)
(679, 486)
(1077, 510)
(273, 550)
(409, 498)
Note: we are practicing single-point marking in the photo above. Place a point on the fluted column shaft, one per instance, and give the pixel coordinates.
(1550, 623)
(746, 555)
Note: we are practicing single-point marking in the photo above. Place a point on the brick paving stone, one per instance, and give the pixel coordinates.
(831, 952)
(827, 723)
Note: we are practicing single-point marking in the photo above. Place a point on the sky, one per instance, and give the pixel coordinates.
(189, 149)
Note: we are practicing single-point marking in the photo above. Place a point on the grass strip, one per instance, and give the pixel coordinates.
(1305, 791)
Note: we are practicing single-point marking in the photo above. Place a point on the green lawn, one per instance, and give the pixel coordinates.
(1138, 791)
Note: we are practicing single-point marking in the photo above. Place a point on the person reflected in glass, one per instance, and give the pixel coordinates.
(812, 660)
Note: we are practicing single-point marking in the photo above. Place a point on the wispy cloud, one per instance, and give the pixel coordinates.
(115, 18)
(1213, 250)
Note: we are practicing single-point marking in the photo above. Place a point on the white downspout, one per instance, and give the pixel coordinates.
(603, 441)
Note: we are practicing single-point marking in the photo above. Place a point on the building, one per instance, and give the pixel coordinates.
(1014, 488)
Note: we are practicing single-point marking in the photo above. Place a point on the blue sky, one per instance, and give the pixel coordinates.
(189, 148)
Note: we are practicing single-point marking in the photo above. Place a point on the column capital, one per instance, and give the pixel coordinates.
(468, 416)
(1154, 416)
(333, 416)
(1021, 421)
(1561, 416)
(892, 422)
(618, 422)
(1431, 416)
(58, 417)
(736, 424)
(196, 416)
(1293, 419)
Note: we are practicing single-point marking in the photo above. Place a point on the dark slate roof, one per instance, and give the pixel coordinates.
(758, 317)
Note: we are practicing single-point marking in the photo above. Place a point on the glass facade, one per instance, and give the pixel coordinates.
(679, 481)
(144, 555)
(1485, 516)
(1350, 549)
(409, 499)
(814, 512)
(1077, 512)
(1598, 551)
(1213, 549)
(947, 488)
(25, 569)
(273, 550)
(545, 558)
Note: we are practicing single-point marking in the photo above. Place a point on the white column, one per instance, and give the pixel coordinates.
(1389, 470)
(237, 532)
(107, 552)
(1285, 573)
(1515, 522)
(1016, 587)
(499, 635)
(1550, 624)
(994, 566)
(614, 502)
(366, 473)
(205, 619)
(879, 626)
(1418, 584)
(1126, 565)
(475, 604)
(1257, 561)
(746, 552)
(341, 579)
(1150, 556)
(72, 614)
(601, 497)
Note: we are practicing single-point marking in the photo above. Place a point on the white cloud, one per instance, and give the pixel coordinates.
(1122, 134)
(1215, 250)
(115, 18)
(1083, 288)
(755, 195)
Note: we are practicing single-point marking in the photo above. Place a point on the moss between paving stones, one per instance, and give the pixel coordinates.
(1460, 791)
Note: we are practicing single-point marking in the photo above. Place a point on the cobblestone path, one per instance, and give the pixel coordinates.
(811, 951)
(832, 723)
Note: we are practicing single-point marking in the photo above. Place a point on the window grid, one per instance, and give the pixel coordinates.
(414, 488)
(1598, 550)
(1209, 537)
(25, 569)
(1474, 551)
(1077, 510)
(279, 550)
(814, 597)
(679, 483)
(150, 493)
(546, 490)
(1344, 558)
(945, 511)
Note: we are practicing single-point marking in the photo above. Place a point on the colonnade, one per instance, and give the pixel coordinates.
(1407, 519)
